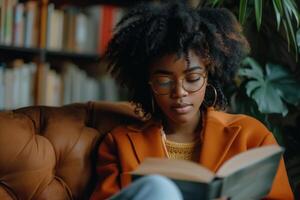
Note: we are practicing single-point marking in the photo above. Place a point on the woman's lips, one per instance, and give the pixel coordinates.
(181, 108)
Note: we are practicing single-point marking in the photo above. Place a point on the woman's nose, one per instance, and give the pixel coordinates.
(178, 90)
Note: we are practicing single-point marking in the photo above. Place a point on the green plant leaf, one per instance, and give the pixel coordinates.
(252, 86)
(255, 70)
(241, 103)
(290, 92)
(291, 7)
(287, 34)
(298, 38)
(269, 99)
(283, 80)
(258, 12)
(214, 2)
(278, 5)
(278, 12)
(276, 72)
(291, 30)
(273, 90)
(242, 11)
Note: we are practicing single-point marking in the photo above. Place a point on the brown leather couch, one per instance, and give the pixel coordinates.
(49, 152)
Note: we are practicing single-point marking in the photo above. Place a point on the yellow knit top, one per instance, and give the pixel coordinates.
(185, 151)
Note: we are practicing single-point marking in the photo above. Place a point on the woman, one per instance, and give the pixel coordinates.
(176, 61)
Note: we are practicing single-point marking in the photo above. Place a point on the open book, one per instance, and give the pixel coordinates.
(248, 175)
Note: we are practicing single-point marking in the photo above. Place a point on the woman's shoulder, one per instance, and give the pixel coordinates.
(228, 117)
(118, 133)
(238, 120)
(250, 130)
(124, 134)
(137, 127)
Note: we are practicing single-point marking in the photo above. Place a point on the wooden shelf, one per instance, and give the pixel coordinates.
(5, 48)
(90, 57)
(25, 52)
(8, 53)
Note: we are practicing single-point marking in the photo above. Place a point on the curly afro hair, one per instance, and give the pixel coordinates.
(152, 30)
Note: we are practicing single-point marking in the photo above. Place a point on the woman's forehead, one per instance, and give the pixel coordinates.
(175, 62)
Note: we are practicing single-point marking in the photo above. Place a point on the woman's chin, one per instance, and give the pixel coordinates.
(182, 119)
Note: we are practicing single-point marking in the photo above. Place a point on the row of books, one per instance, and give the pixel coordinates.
(84, 30)
(17, 86)
(19, 23)
(69, 29)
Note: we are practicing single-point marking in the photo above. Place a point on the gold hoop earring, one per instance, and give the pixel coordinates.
(208, 104)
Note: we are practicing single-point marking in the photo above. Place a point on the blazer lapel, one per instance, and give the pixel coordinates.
(217, 139)
(147, 142)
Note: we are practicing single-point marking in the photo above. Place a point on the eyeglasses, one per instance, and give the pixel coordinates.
(164, 84)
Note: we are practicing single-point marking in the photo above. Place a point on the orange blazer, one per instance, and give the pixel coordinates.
(224, 135)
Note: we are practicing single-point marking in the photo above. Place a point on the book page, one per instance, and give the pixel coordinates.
(175, 169)
(248, 158)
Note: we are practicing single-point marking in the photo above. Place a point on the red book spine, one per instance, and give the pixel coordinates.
(107, 15)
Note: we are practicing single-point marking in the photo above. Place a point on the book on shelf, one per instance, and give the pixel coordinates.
(16, 84)
(31, 24)
(8, 21)
(81, 34)
(236, 179)
(69, 21)
(109, 16)
(18, 25)
(43, 14)
(77, 86)
(52, 95)
(1, 87)
(55, 28)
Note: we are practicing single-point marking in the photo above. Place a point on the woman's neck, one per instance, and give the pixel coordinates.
(184, 132)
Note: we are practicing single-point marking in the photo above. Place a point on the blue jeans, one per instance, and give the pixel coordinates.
(152, 187)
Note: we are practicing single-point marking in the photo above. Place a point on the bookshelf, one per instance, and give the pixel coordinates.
(50, 51)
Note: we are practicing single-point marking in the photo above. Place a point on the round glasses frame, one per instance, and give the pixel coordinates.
(202, 75)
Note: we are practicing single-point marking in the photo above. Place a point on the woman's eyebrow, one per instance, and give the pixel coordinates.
(194, 68)
(162, 71)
